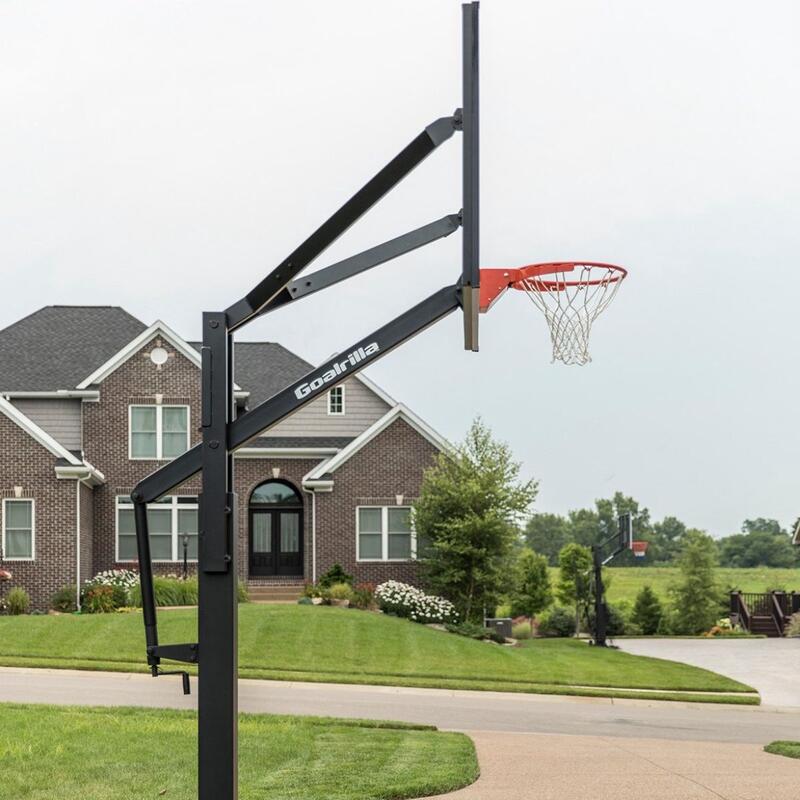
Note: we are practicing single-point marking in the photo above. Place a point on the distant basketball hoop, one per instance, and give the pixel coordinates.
(639, 549)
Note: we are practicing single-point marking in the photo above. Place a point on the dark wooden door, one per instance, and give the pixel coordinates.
(276, 541)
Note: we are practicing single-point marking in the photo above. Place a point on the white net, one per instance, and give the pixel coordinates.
(571, 300)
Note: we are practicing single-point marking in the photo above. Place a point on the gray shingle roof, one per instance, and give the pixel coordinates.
(264, 368)
(57, 347)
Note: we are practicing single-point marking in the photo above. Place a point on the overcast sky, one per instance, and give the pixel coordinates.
(164, 155)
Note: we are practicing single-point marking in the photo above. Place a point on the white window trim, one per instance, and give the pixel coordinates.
(384, 538)
(336, 413)
(33, 528)
(175, 506)
(159, 431)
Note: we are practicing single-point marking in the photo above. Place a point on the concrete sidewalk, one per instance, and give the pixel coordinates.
(554, 767)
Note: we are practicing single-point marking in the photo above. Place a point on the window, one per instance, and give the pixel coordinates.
(18, 530)
(385, 533)
(158, 432)
(169, 520)
(336, 400)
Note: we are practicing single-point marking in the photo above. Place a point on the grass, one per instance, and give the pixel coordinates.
(345, 646)
(625, 582)
(788, 749)
(125, 753)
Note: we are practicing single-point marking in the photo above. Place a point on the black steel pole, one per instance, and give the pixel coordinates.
(599, 601)
(217, 611)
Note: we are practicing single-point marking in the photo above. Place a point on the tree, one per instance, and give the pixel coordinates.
(575, 579)
(647, 611)
(757, 549)
(695, 597)
(547, 534)
(467, 515)
(532, 592)
(665, 540)
(761, 525)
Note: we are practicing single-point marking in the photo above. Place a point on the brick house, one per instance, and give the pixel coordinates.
(92, 400)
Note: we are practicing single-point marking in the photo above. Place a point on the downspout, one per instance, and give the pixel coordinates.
(78, 544)
(313, 533)
(78, 483)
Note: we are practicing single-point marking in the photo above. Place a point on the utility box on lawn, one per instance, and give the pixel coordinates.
(501, 625)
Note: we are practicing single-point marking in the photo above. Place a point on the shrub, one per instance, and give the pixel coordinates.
(403, 600)
(647, 611)
(118, 582)
(18, 601)
(335, 575)
(363, 596)
(522, 630)
(615, 621)
(241, 592)
(99, 600)
(168, 592)
(475, 631)
(558, 621)
(64, 599)
(341, 591)
(793, 628)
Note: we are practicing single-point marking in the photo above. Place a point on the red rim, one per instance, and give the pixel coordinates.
(495, 281)
(528, 275)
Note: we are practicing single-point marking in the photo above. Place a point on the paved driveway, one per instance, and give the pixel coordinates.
(771, 666)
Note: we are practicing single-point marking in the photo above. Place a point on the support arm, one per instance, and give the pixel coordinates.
(330, 230)
(310, 386)
(380, 254)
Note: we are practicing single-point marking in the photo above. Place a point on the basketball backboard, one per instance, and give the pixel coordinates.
(470, 279)
(625, 523)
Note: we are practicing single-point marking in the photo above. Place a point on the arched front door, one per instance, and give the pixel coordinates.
(276, 530)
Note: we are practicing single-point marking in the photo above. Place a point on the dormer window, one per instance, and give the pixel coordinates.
(158, 432)
(336, 400)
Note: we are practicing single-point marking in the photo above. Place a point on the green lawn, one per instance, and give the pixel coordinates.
(788, 749)
(625, 582)
(286, 642)
(62, 753)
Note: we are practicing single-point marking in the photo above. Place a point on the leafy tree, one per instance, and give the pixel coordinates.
(575, 579)
(757, 549)
(532, 592)
(761, 525)
(647, 611)
(584, 527)
(547, 534)
(665, 540)
(467, 516)
(695, 596)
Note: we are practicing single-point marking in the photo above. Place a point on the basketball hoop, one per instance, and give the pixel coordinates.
(639, 549)
(571, 300)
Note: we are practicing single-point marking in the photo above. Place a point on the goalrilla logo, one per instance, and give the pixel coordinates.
(340, 367)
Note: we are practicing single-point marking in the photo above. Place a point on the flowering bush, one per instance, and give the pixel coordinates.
(108, 590)
(403, 600)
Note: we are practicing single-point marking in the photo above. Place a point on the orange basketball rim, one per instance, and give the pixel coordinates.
(570, 294)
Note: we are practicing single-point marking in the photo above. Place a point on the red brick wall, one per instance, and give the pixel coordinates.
(391, 464)
(105, 437)
(24, 462)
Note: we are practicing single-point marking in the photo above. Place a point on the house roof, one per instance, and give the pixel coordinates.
(72, 348)
(264, 368)
(56, 347)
